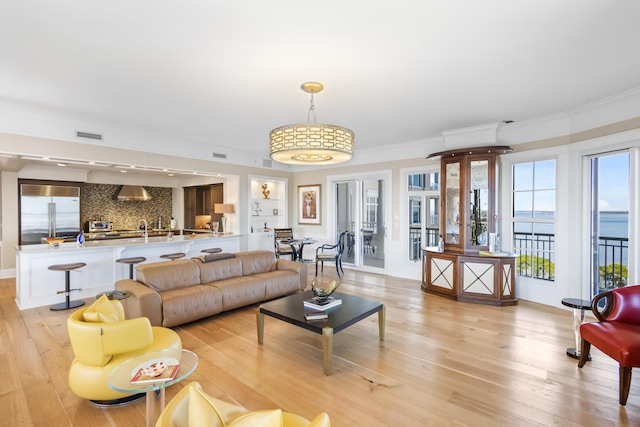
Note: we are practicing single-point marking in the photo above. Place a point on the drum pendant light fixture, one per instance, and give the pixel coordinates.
(311, 143)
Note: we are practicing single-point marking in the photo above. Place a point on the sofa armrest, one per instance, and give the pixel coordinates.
(299, 267)
(142, 302)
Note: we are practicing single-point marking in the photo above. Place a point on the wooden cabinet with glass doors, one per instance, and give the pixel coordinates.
(470, 268)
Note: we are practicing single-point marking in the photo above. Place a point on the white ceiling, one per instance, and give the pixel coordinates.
(224, 73)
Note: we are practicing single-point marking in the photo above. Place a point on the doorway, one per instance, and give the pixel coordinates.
(360, 210)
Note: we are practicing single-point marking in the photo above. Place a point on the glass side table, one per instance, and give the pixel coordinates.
(120, 377)
(579, 306)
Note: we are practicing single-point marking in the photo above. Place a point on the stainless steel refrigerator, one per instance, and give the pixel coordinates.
(48, 211)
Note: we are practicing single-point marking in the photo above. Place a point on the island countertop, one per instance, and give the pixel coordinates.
(133, 241)
(37, 286)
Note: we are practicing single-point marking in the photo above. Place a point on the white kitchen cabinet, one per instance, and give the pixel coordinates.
(261, 240)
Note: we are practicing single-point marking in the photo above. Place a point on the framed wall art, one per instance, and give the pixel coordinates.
(309, 204)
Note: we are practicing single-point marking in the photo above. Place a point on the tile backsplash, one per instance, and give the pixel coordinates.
(99, 203)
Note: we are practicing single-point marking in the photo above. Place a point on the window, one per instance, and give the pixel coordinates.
(424, 212)
(424, 181)
(533, 218)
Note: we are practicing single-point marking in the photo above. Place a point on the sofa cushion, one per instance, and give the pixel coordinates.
(185, 305)
(240, 291)
(278, 283)
(167, 275)
(255, 262)
(220, 270)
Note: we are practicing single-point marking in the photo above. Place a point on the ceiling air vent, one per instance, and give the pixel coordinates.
(89, 135)
(219, 156)
(267, 163)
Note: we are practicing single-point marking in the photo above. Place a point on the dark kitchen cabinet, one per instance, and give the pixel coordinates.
(200, 200)
(217, 196)
(190, 207)
(203, 201)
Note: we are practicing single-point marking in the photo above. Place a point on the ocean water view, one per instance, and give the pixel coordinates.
(612, 224)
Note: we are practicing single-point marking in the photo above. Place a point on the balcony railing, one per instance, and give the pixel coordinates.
(415, 254)
(536, 255)
(613, 256)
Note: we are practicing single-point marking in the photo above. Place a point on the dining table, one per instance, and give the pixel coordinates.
(297, 246)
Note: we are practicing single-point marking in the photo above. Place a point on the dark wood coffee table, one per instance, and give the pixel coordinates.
(291, 310)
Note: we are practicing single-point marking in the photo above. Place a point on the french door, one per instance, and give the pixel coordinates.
(609, 221)
(360, 210)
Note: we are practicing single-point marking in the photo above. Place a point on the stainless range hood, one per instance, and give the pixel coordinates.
(133, 193)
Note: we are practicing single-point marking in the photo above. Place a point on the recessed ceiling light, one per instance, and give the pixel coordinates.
(171, 174)
(123, 171)
(61, 165)
(45, 158)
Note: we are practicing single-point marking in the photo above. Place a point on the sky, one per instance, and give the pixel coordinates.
(614, 182)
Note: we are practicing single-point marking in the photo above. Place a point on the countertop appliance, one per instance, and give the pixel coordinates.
(100, 226)
(48, 211)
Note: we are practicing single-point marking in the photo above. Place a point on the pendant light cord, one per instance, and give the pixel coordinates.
(312, 110)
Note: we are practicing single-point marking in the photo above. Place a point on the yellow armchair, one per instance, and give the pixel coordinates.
(192, 402)
(102, 342)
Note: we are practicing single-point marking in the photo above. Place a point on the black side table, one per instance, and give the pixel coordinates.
(578, 306)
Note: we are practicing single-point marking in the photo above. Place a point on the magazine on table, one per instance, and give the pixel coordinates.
(140, 377)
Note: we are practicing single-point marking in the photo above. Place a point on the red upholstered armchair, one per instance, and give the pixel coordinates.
(617, 334)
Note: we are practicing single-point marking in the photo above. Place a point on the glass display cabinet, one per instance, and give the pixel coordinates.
(469, 202)
(471, 268)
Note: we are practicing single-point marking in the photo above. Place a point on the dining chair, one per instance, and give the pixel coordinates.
(367, 237)
(333, 254)
(280, 248)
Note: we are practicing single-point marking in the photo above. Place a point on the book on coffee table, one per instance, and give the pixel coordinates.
(315, 315)
(322, 305)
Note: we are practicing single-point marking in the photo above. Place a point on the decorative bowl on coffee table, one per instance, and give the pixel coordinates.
(322, 294)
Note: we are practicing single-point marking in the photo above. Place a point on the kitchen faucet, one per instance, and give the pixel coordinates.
(146, 234)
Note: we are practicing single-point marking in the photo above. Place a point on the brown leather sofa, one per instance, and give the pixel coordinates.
(171, 293)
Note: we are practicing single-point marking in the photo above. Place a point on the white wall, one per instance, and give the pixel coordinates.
(9, 223)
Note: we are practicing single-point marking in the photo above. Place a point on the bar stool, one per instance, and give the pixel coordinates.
(67, 286)
(174, 256)
(211, 250)
(131, 261)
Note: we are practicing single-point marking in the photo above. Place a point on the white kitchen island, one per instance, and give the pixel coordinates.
(38, 286)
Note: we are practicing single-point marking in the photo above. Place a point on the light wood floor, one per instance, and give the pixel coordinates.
(443, 363)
